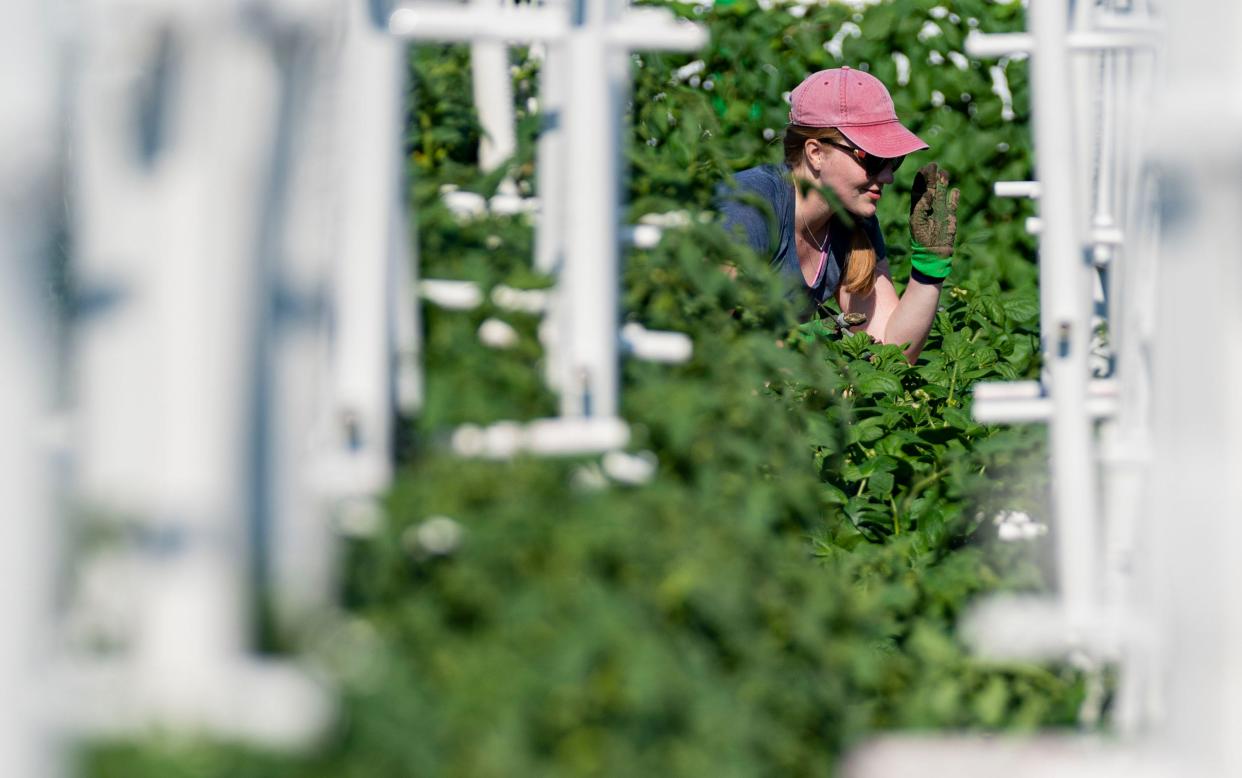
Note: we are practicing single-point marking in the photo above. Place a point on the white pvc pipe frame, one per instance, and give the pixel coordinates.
(1062, 77)
(30, 131)
(1191, 524)
(1172, 472)
(1189, 554)
(1064, 298)
(184, 240)
(493, 97)
(592, 38)
(1104, 103)
(1065, 319)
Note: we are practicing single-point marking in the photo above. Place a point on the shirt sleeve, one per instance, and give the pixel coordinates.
(747, 213)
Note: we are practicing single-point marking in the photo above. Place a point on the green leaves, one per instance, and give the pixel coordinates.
(875, 382)
(910, 443)
(1023, 309)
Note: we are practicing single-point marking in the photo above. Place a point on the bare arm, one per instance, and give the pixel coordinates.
(933, 227)
(901, 321)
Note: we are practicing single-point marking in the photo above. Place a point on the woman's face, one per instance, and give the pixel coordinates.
(842, 173)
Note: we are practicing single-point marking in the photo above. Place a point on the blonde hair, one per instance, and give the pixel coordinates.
(860, 263)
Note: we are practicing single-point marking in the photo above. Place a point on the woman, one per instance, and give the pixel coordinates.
(842, 147)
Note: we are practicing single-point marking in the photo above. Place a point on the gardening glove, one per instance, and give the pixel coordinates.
(933, 223)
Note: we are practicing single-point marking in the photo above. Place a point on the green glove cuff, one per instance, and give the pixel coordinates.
(929, 263)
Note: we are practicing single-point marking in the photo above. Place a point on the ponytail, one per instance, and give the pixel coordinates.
(860, 263)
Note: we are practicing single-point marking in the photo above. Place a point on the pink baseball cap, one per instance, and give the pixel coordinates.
(858, 105)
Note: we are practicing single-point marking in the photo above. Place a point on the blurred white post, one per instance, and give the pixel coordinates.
(550, 160)
(1197, 383)
(369, 277)
(1133, 82)
(587, 290)
(167, 239)
(339, 344)
(551, 183)
(30, 133)
(493, 97)
(178, 140)
(293, 537)
(1176, 442)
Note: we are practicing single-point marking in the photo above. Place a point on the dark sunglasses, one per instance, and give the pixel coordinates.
(872, 164)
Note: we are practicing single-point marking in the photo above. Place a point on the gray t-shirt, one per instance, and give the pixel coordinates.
(772, 185)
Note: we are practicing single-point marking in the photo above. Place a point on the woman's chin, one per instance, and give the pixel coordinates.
(864, 210)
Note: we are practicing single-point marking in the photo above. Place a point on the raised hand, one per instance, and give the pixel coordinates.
(933, 210)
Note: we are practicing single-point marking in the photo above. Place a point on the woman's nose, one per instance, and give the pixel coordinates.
(886, 175)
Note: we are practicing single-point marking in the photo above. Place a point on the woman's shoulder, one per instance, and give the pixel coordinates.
(760, 201)
(772, 179)
(769, 183)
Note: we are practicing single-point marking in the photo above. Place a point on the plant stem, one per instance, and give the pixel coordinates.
(919, 486)
(952, 386)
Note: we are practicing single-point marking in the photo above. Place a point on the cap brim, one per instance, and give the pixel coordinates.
(889, 139)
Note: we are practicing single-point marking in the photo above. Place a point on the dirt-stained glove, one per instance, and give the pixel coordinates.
(933, 222)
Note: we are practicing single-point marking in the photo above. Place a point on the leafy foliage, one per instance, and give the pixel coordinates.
(789, 581)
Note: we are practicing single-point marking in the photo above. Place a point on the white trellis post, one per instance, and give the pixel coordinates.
(550, 160)
(1081, 156)
(375, 348)
(339, 335)
(1197, 380)
(1177, 413)
(586, 296)
(582, 195)
(179, 127)
(1133, 567)
(1127, 205)
(292, 538)
(493, 97)
(31, 134)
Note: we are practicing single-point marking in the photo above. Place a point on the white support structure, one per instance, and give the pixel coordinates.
(242, 333)
(340, 329)
(372, 264)
(31, 130)
(1189, 530)
(183, 119)
(1167, 583)
(587, 313)
(1018, 402)
(493, 97)
(1089, 74)
(1065, 317)
(551, 167)
(585, 74)
(291, 540)
(1017, 189)
(1065, 295)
